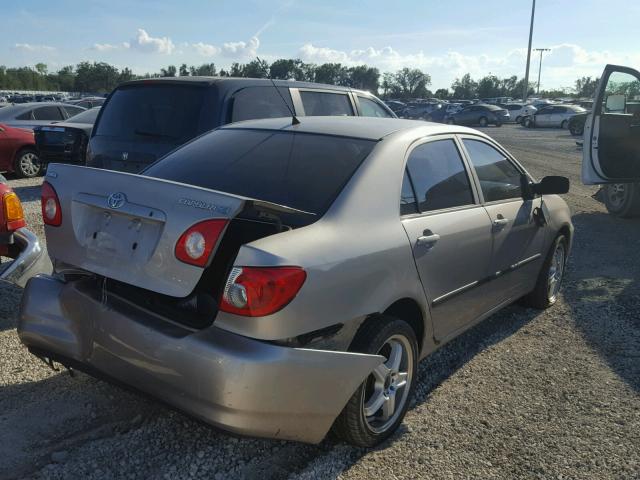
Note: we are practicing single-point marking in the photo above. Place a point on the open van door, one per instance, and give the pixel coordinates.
(611, 152)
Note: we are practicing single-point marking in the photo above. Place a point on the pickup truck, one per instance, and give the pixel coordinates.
(20, 246)
(611, 151)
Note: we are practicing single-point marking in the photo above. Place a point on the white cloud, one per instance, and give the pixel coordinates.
(27, 47)
(241, 50)
(108, 47)
(146, 43)
(560, 67)
(205, 49)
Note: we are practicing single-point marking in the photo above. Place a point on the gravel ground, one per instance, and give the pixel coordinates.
(523, 395)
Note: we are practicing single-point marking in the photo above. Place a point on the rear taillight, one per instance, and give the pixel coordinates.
(260, 291)
(13, 214)
(196, 244)
(51, 211)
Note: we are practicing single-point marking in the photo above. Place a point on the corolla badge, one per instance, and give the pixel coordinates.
(125, 155)
(116, 200)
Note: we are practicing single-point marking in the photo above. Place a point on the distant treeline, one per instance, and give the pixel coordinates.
(100, 77)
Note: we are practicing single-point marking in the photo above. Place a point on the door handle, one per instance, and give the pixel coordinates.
(500, 221)
(428, 240)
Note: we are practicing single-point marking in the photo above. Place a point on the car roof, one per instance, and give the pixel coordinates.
(370, 128)
(233, 83)
(18, 108)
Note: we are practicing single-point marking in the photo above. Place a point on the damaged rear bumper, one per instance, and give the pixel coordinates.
(31, 259)
(234, 382)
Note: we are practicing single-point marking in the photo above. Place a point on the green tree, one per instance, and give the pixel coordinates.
(255, 69)
(184, 71)
(204, 70)
(464, 88)
(442, 93)
(412, 83)
(170, 71)
(364, 78)
(331, 74)
(96, 77)
(586, 86)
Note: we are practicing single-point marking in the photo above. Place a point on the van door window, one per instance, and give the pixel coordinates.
(325, 103)
(261, 102)
(371, 108)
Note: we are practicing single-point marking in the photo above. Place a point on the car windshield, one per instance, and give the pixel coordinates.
(88, 116)
(299, 170)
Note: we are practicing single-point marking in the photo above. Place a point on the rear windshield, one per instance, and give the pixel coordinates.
(299, 170)
(88, 116)
(153, 113)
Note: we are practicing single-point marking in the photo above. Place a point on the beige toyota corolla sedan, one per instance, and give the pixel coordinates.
(280, 278)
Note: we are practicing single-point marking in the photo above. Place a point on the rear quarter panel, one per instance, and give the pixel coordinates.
(357, 257)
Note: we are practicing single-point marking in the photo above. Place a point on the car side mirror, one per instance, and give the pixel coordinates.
(616, 103)
(550, 185)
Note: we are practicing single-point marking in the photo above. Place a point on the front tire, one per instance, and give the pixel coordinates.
(450, 121)
(622, 199)
(27, 164)
(528, 123)
(518, 119)
(378, 406)
(564, 124)
(550, 277)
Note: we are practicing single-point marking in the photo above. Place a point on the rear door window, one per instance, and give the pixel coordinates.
(371, 108)
(326, 103)
(47, 113)
(160, 113)
(439, 177)
(499, 178)
(261, 102)
(299, 170)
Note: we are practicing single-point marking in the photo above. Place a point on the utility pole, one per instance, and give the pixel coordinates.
(525, 90)
(540, 66)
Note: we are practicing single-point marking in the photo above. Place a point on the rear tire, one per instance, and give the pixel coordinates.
(498, 124)
(576, 130)
(483, 121)
(27, 164)
(550, 277)
(451, 121)
(622, 199)
(528, 123)
(518, 119)
(380, 403)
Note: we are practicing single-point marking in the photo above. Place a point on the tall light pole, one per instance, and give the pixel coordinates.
(540, 66)
(525, 90)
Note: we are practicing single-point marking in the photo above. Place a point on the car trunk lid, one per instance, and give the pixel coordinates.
(125, 227)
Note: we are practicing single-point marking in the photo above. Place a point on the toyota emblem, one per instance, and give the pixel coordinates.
(116, 200)
(125, 155)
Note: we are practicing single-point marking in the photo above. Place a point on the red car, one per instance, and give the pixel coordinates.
(18, 153)
(22, 247)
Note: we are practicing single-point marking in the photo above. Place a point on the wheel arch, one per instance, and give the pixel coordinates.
(409, 310)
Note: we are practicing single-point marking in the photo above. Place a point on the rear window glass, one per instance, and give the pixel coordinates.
(261, 102)
(87, 116)
(322, 104)
(299, 170)
(153, 113)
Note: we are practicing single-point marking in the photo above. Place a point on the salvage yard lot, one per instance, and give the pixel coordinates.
(523, 395)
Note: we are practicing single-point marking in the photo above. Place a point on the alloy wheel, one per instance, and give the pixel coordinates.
(29, 164)
(616, 194)
(387, 388)
(556, 272)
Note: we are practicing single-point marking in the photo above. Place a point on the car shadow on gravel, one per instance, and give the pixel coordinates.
(604, 291)
(10, 296)
(28, 194)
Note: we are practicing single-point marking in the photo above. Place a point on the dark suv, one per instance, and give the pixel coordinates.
(144, 119)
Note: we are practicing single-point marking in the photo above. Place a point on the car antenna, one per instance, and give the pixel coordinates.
(294, 119)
